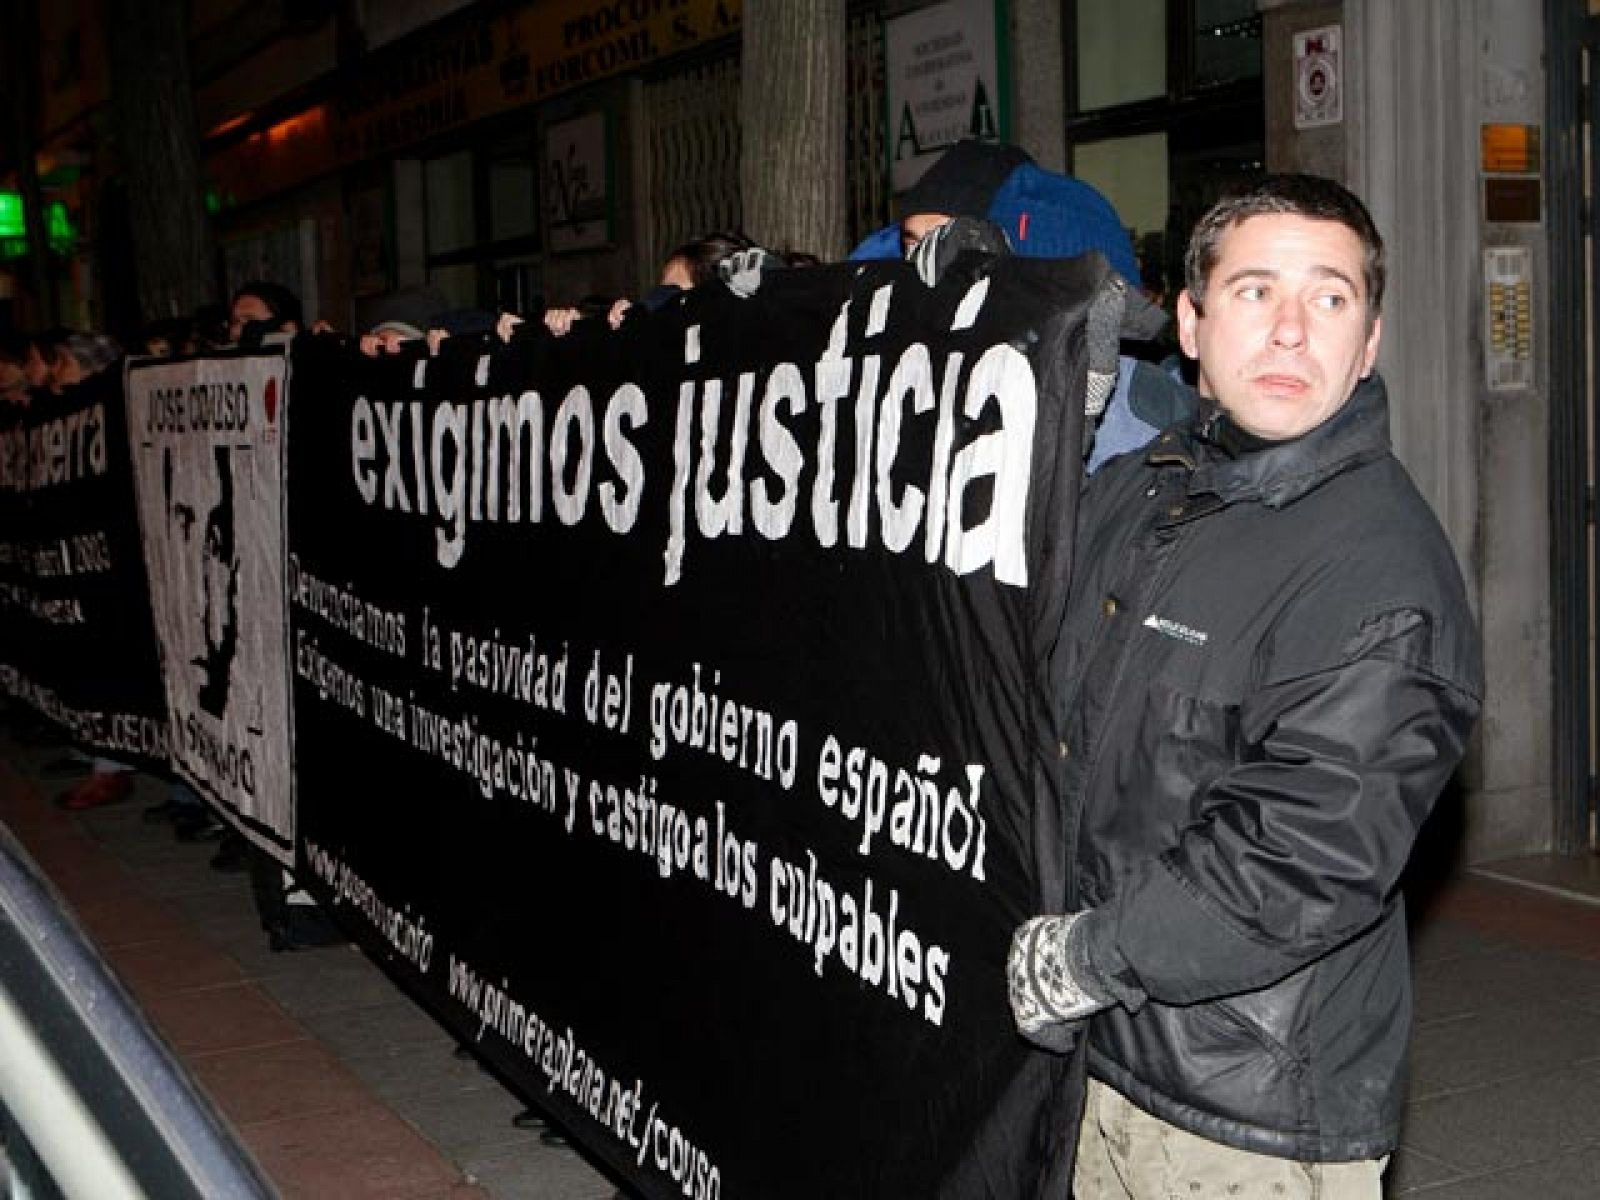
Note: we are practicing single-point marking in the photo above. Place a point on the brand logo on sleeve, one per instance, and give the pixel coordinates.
(1177, 630)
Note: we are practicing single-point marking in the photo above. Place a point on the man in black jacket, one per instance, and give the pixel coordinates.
(1269, 672)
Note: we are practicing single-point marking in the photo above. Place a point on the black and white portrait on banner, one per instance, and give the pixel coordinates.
(207, 444)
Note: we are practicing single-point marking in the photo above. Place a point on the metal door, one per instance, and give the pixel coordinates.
(1572, 30)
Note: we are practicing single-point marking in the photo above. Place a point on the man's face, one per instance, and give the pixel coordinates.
(918, 226)
(245, 309)
(205, 569)
(1286, 333)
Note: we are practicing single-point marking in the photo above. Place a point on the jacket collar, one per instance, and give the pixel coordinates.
(1356, 434)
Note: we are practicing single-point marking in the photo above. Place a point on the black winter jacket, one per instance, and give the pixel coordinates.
(1270, 671)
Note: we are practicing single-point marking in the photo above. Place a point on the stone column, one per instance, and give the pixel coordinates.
(1420, 77)
(1038, 97)
(1426, 74)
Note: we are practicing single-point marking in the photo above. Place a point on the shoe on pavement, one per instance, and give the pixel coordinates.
(100, 789)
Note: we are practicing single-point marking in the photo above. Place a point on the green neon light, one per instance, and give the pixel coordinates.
(59, 232)
(58, 226)
(11, 222)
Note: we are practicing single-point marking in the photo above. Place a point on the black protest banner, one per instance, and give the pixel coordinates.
(207, 445)
(670, 714)
(74, 603)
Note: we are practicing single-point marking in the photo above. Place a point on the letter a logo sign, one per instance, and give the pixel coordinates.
(982, 125)
(908, 133)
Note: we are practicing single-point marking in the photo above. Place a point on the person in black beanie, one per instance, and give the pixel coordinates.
(260, 307)
(1042, 214)
(962, 183)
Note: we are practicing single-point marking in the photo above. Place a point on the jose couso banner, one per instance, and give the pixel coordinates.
(74, 605)
(207, 445)
(669, 713)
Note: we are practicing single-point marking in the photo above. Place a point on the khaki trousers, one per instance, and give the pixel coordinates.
(1126, 1154)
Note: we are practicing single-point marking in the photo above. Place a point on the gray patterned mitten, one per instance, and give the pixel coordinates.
(1051, 984)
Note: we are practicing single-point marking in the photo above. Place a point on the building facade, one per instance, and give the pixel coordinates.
(511, 154)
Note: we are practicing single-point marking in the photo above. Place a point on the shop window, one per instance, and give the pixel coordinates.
(1227, 41)
(448, 183)
(1121, 51)
(516, 286)
(1167, 114)
(482, 224)
(1133, 173)
(285, 252)
(513, 191)
(457, 283)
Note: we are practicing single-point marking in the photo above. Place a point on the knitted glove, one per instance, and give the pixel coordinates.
(939, 247)
(743, 269)
(1052, 986)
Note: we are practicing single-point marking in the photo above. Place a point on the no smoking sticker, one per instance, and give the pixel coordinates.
(1318, 84)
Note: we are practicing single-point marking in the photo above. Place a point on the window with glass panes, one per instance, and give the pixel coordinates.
(1165, 113)
(482, 225)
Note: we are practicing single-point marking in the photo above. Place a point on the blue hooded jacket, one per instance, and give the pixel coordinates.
(1046, 215)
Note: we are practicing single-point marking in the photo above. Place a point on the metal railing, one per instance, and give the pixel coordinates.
(92, 1103)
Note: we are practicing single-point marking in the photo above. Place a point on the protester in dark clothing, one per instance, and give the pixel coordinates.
(693, 264)
(79, 355)
(1270, 671)
(210, 323)
(168, 337)
(969, 199)
(403, 316)
(418, 314)
(261, 307)
(1043, 214)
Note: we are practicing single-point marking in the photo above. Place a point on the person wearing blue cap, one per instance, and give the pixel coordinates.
(992, 197)
(1042, 214)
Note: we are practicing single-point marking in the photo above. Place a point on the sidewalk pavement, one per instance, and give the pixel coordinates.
(343, 1088)
(1505, 1065)
(339, 1085)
